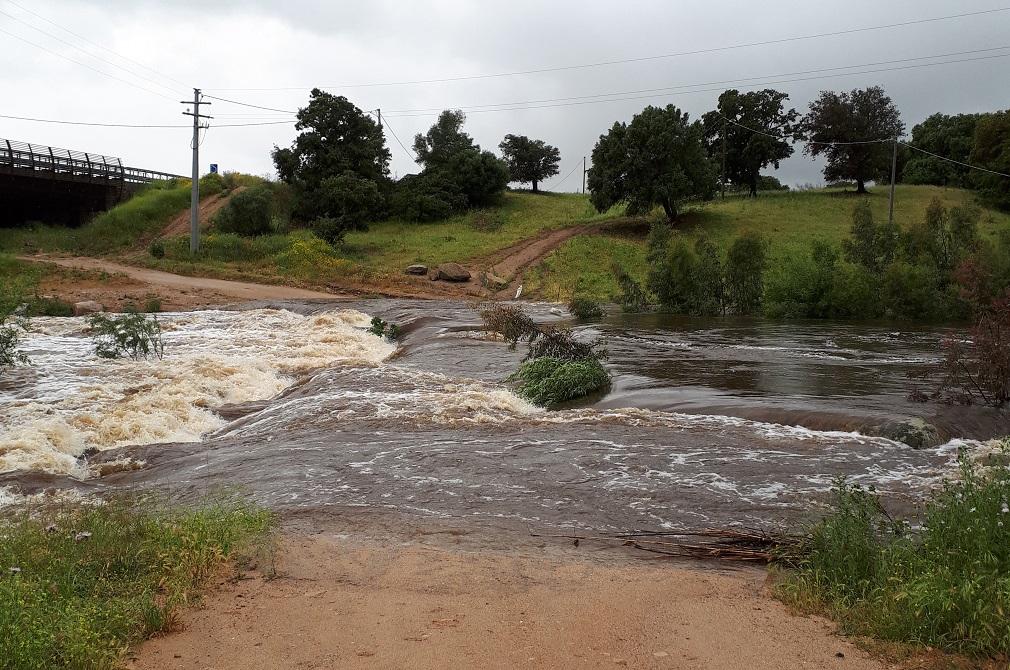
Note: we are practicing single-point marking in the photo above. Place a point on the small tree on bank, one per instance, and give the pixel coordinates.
(529, 160)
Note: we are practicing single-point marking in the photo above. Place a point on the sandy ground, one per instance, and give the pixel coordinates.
(340, 602)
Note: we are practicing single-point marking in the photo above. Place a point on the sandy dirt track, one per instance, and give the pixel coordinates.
(344, 603)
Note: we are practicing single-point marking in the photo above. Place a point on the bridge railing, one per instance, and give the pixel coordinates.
(22, 158)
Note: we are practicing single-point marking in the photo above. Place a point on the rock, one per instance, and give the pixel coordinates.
(417, 270)
(557, 311)
(452, 272)
(916, 433)
(492, 281)
(88, 307)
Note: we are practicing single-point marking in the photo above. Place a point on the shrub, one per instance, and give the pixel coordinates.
(547, 381)
(49, 306)
(211, 184)
(509, 321)
(585, 308)
(13, 323)
(745, 266)
(977, 368)
(426, 198)
(560, 343)
(380, 328)
(157, 249)
(129, 334)
(940, 582)
(311, 257)
(248, 213)
(632, 297)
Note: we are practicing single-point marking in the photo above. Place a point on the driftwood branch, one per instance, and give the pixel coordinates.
(723, 544)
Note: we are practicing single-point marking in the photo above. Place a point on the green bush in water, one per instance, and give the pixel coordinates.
(548, 381)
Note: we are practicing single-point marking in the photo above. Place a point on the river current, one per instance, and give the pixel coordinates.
(707, 422)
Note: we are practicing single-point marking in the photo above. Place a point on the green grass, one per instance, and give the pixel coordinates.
(583, 265)
(390, 246)
(81, 584)
(943, 582)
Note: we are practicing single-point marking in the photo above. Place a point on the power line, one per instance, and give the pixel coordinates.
(509, 107)
(246, 104)
(137, 125)
(409, 153)
(39, 46)
(66, 30)
(87, 53)
(666, 89)
(951, 160)
(779, 137)
(637, 60)
(553, 186)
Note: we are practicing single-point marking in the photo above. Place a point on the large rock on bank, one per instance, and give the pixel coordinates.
(916, 433)
(417, 270)
(88, 307)
(451, 272)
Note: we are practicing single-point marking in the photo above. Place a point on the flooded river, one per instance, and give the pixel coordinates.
(707, 422)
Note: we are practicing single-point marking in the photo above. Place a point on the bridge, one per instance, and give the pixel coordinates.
(60, 186)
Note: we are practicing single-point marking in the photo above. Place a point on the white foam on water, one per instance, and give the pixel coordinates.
(78, 401)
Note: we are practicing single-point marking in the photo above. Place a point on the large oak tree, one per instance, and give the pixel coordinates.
(657, 159)
(529, 160)
(750, 131)
(853, 131)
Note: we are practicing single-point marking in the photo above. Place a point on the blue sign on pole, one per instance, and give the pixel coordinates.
(213, 168)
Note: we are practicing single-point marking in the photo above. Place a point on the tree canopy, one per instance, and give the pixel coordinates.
(848, 129)
(755, 130)
(338, 145)
(951, 137)
(657, 159)
(456, 172)
(529, 160)
(992, 152)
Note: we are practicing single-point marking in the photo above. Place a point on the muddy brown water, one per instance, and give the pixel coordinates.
(707, 422)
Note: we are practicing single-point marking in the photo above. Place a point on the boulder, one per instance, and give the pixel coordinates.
(88, 307)
(417, 270)
(916, 433)
(452, 272)
(493, 282)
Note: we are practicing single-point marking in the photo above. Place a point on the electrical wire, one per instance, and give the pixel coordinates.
(787, 139)
(246, 104)
(66, 30)
(509, 107)
(137, 125)
(130, 83)
(409, 153)
(554, 186)
(88, 53)
(951, 160)
(635, 60)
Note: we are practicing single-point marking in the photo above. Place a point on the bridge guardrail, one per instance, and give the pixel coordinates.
(22, 158)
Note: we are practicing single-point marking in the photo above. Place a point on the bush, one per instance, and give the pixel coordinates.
(509, 321)
(248, 213)
(745, 266)
(632, 297)
(129, 334)
(13, 323)
(157, 249)
(547, 381)
(425, 198)
(584, 308)
(49, 306)
(977, 367)
(211, 184)
(311, 257)
(380, 328)
(940, 582)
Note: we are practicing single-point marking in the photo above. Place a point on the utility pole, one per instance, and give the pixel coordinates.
(894, 174)
(724, 158)
(584, 171)
(194, 203)
(378, 113)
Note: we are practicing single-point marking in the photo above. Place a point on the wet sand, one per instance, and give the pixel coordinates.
(343, 602)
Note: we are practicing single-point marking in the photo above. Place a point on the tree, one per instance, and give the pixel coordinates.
(529, 160)
(755, 131)
(456, 172)
(951, 137)
(657, 159)
(335, 138)
(853, 132)
(992, 152)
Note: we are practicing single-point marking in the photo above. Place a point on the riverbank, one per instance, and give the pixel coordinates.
(414, 601)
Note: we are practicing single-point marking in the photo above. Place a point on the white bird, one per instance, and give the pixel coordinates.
(519, 291)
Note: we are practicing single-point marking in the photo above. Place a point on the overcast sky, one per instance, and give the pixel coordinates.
(412, 58)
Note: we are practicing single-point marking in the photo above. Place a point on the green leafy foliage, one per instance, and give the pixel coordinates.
(948, 137)
(657, 159)
(940, 582)
(992, 152)
(585, 308)
(380, 328)
(529, 161)
(976, 368)
(130, 334)
(336, 140)
(632, 297)
(746, 261)
(211, 183)
(13, 323)
(249, 213)
(837, 122)
(548, 381)
(868, 244)
(81, 584)
(754, 129)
